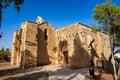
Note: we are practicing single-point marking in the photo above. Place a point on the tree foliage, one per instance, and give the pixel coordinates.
(6, 3)
(116, 58)
(106, 15)
(100, 14)
(5, 54)
(112, 17)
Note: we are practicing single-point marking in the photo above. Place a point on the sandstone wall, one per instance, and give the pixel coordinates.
(46, 44)
(18, 45)
(75, 36)
(22, 44)
(15, 48)
(74, 45)
(80, 49)
(30, 44)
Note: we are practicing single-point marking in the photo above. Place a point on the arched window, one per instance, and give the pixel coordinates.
(45, 34)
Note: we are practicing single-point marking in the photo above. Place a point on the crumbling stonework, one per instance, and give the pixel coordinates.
(38, 43)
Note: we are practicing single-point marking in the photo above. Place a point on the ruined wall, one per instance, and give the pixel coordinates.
(32, 47)
(75, 36)
(46, 44)
(75, 45)
(30, 44)
(104, 45)
(18, 45)
(22, 44)
(15, 48)
(83, 45)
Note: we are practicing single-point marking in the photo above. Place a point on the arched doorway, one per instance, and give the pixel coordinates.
(65, 57)
(64, 51)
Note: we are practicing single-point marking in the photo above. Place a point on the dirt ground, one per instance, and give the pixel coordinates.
(9, 73)
(100, 76)
(35, 73)
(4, 63)
(39, 74)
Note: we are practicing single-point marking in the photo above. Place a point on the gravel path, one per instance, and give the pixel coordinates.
(49, 72)
(57, 72)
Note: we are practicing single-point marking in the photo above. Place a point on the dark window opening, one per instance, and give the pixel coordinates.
(65, 53)
(45, 34)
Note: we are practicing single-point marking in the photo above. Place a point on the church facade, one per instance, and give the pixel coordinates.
(38, 43)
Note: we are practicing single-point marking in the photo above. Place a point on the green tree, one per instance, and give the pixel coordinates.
(4, 54)
(2, 48)
(105, 14)
(108, 19)
(6, 3)
(7, 49)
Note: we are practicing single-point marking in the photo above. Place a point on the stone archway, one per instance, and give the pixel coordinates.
(64, 51)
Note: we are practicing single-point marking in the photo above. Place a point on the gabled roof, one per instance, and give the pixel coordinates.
(75, 24)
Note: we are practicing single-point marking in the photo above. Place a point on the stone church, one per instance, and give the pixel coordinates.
(38, 43)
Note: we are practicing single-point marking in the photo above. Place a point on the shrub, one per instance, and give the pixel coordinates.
(4, 55)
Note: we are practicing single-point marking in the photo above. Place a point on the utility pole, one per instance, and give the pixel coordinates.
(111, 40)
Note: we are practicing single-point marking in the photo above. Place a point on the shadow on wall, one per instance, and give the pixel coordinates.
(80, 57)
(93, 51)
(63, 45)
(42, 54)
(108, 66)
(30, 59)
(63, 52)
(103, 62)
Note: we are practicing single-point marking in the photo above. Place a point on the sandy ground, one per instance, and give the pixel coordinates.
(4, 63)
(49, 72)
(35, 73)
(100, 76)
(58, 72)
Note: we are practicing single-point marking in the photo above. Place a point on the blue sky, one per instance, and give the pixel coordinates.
(58, 13)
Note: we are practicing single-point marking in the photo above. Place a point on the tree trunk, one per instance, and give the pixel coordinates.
(113, 44)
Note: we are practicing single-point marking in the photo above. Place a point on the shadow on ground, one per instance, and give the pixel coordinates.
(17, 71)
(32, 76)
(63, 73)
